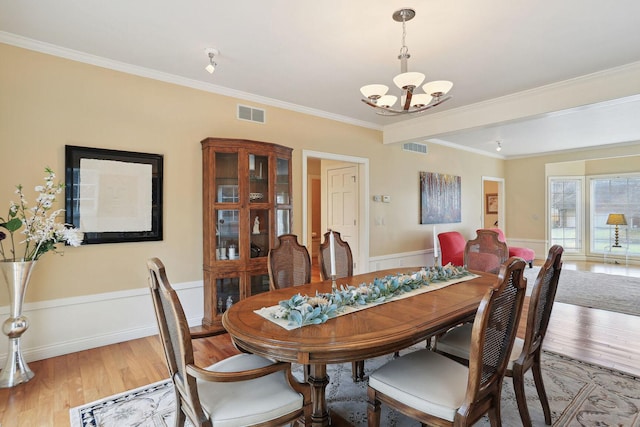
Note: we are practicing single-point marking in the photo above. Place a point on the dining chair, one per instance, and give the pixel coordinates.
(436, 390)
(288, 263)
(486, 252)
(452, 248)
(526, 353)
(343, 257)
(343, 268)
(244, 389)
(526, 254)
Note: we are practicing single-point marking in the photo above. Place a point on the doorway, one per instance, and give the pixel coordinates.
(324, 165)
(493, 203)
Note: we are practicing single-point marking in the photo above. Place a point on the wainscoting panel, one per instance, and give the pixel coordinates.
(399, 260)
(68, 325)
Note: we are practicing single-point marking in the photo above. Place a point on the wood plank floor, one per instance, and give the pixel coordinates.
(60, 383)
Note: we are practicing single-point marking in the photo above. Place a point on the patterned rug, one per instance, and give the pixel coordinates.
(595, 290)
(579, 395)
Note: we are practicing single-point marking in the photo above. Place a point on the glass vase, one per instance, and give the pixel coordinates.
(16, 274)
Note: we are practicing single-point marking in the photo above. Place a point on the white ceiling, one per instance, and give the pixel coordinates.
(314, 56)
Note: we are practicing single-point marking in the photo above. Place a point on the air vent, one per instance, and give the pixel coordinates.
(250, 114)
(415, 147)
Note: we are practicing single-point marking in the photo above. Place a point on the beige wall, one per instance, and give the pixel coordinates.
(47, 102)
(526, 181)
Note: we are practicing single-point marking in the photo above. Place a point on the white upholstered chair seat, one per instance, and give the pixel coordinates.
(457, 341)
(424, 380)
(232, 404)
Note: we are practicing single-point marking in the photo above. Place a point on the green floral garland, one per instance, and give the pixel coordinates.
(313, 310)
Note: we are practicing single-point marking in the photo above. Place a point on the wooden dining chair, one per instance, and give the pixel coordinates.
(263, 392)
(526, 353)
(344, 268)
(486, 252)
(436, 390)
(343, 257)
(288, 263)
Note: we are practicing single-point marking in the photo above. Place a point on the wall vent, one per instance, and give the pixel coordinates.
(415, 147)
(251, 114)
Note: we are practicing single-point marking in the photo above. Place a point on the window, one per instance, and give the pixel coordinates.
(615, 195)
(565, 213)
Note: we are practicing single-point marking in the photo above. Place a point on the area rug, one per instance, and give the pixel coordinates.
(579, 395)
(595, 290)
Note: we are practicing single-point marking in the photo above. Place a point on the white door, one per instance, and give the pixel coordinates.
(342, 205)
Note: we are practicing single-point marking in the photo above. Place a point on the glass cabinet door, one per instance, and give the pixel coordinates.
(259, 283)
(228, 292)
(227, 234)
(226, 177)
(282, 182)
(283, 222)
(258, 178)
(259, 226)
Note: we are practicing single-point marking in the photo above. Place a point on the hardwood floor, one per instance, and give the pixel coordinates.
(60, 383)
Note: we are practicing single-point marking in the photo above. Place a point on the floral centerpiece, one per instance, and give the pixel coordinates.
(41, 230)
(303, 310)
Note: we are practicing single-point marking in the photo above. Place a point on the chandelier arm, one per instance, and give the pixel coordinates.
(407, 101)
(384, 111)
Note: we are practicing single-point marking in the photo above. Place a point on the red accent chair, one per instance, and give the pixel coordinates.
(525, 253)
(452, 245)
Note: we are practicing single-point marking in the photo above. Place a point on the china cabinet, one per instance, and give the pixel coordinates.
(246, 206)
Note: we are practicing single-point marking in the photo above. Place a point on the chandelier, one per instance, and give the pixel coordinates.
(410, 101)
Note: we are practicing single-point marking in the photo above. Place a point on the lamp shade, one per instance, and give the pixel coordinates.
(374, 91)
(409, 79)
(437, 87)
(386, 101)
(616, 219)
(420, 100)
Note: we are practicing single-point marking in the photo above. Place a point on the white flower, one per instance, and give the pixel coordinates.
(39, 224)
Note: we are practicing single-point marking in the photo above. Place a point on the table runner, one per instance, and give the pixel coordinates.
(268, 312)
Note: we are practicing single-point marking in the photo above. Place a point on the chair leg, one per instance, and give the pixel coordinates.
(373, 409)
(357, 370)
(494, 415)
(521, 399)
(542, 394)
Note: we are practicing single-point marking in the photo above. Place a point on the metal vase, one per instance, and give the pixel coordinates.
(17, 275)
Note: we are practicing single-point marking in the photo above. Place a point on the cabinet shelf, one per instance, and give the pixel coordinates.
(233, 197)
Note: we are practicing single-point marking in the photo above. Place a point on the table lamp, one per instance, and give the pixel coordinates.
(616, 219)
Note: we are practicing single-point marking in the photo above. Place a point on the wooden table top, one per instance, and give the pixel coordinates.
(375, 331)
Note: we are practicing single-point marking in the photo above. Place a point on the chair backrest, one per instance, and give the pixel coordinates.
(485, 252)
(343, 257)
(288, 263)
(541, 301)
(492, 337)
(451, 244)
(500, 234)
(176, 339)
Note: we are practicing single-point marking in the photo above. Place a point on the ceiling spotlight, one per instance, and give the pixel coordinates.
(211, 52)
(410, 101)
(499, 147)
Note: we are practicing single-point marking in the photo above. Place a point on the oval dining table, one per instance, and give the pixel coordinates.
(375, 331)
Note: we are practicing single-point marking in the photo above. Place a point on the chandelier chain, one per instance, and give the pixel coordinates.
(404, 50)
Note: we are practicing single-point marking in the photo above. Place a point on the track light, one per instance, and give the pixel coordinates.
(499, 147)
(211, 52)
